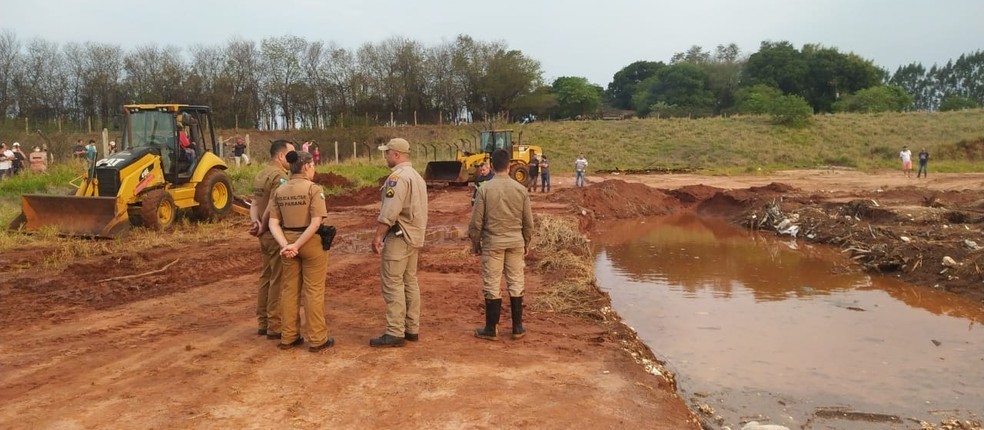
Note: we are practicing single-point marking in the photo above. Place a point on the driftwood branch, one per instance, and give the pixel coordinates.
(152, 272)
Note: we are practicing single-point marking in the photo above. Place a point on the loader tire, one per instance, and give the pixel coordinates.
(214, 196)
(158, 210)
(520, 173)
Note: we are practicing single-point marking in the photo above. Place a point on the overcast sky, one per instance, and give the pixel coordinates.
(593, 39)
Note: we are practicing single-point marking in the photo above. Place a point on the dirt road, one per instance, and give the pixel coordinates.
(179, 350)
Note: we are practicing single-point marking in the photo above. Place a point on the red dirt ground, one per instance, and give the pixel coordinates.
(179, 350)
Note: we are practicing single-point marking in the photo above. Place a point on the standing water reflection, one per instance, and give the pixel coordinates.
(790, 331)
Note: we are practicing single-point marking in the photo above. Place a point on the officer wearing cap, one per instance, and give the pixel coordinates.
(264, 185)
(296, 213)
(399, 236)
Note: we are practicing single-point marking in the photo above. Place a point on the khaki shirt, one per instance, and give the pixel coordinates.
(404, 197)
(297, 201)
(501, 217)
(265, 183)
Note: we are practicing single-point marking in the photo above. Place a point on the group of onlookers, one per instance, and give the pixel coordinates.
(13, 160)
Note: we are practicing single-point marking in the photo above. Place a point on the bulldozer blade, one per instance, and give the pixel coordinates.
(71, 215)
(444, 171)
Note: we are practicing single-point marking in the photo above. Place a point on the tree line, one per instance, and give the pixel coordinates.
(702, 83)
(278, 83)
(286, 82)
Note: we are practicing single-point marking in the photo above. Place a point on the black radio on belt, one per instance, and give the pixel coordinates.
(396, 230)
(327, 233)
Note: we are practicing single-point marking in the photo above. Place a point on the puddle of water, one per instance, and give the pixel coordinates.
(784, 332)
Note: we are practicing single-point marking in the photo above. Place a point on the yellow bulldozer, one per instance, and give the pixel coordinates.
(464, 167)
(167, 163)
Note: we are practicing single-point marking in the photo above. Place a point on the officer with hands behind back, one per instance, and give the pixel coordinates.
(295, 218)
(264, 185)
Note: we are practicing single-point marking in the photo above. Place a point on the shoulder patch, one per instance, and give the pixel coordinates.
(392, 180)
(390, 192)
(283, 181)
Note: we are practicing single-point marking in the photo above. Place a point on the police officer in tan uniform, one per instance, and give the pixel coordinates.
(295, 216)
(399, 236)
(264, 184)
(500, 230)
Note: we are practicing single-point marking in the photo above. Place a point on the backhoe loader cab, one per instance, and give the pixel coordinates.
(464, 168)
(167, 163)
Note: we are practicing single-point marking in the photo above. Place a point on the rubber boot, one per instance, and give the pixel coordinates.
(493, 308)
(516, 306)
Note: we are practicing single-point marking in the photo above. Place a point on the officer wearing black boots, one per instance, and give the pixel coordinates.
(500, 230)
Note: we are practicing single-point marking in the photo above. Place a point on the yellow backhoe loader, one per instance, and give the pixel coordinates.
(464, 167)
(167, 163)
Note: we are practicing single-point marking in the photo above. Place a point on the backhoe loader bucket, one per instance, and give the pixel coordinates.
(71, 215)
(444, 171)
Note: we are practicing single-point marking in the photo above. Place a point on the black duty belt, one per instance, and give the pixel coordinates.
(295, 228)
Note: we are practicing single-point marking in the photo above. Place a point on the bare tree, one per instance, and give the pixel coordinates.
(9, 52)
(204, 71)
(155, 75)
(241, 79)
(445, 84)
(281, 60)
(36, 82)
(103, 80)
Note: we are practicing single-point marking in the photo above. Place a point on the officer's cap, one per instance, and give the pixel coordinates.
(398, 145)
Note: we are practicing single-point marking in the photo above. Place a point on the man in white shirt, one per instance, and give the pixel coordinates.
(6, 160)
(906, 156)
(579, 166)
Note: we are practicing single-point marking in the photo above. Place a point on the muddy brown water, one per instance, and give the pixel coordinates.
(779, 331)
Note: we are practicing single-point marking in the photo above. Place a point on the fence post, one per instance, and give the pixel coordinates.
(247, 148)
(89, 119)
(415, 118)
(355, 151)
(336, 152)
(27, 125)
(105, 136)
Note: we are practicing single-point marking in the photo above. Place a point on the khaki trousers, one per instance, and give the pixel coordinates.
(493, 263)
(401, 293)
(268, 298)
(304, 275)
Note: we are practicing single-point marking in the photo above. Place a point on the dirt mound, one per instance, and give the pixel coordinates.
(615, 198)
(774, 187)
(693, 193)
(332, 180)
(728, 203)
(359, 197)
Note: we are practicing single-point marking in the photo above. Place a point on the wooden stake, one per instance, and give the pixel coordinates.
(152, 272)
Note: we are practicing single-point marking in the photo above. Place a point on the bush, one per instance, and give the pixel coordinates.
(756, 100)
(955, 102)
(792, 111)
(887, 98)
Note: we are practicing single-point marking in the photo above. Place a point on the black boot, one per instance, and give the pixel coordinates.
(493, 308)
(516, 306)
